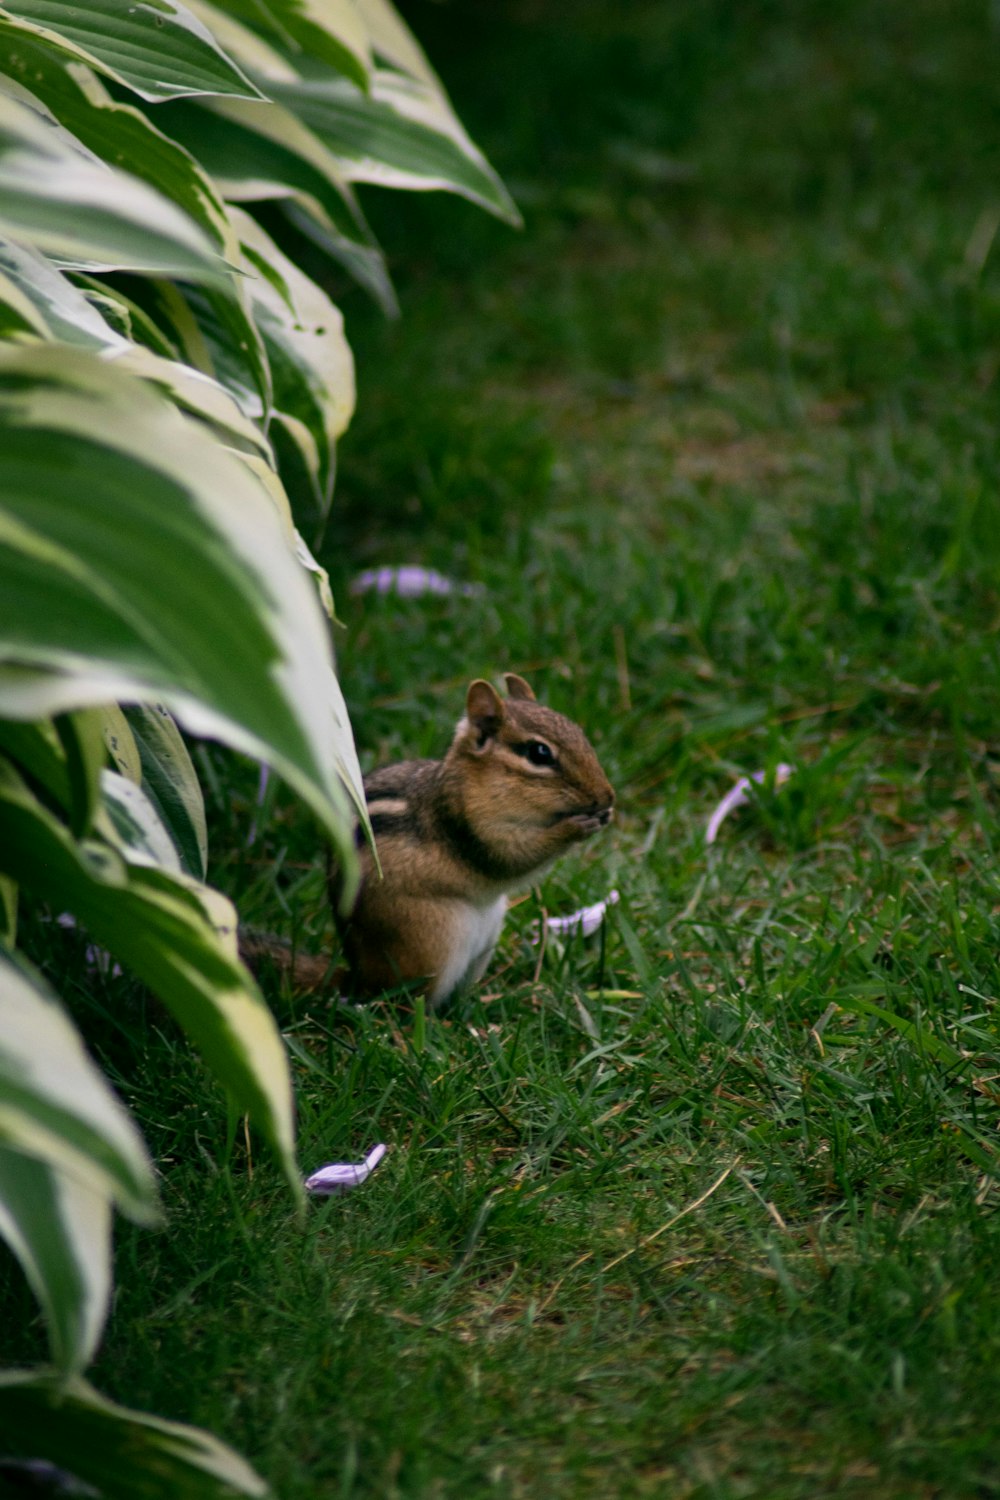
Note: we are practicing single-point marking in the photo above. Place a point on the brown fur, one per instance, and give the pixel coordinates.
(456, 836)
(305, 972)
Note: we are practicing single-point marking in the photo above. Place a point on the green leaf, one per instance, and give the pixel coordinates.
(60, 1232)
(311, 362)
(105, 494)
(64, 758)
(393, 41)
(132, 824)
(171, 783)
(119, 134)
(61, 310)
(123, 1454)
(124, 315)
(55, 1104)
(40, 755)
(279, 496)
(202, 397)
(365, 264)
(260, 153)
(177, 937)
(242, 43)
(59, 197)
(330, 31)
(404, 134)
(232, 342)
(132, 819)
(8, 911)
(83, 746)
(17, 313)
(119, 742)
(213, 331)
(159, 48)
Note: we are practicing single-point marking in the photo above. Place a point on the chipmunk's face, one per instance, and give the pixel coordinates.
(531, 769)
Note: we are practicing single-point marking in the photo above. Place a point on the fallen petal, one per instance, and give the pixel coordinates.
(410, 582)
(340, 1177)
(738, 794)
(586, 920)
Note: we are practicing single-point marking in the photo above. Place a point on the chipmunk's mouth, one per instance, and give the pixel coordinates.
(587, 819)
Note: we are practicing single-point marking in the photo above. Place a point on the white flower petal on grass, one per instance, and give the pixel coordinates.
(340, 1177)
(585, 921)
(740, 794)
(411, 582)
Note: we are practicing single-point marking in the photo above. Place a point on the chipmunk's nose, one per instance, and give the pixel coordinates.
(604, 816)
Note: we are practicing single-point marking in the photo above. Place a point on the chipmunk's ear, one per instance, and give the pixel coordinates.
(484, 710)
(517, 687)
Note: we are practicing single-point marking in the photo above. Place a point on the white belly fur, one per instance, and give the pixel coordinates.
(474, 930)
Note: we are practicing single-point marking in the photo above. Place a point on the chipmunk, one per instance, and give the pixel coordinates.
(519, 785)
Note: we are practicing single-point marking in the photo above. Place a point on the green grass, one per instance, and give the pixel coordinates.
(706, 1207)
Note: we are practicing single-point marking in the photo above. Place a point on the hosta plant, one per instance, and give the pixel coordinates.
(172, 389)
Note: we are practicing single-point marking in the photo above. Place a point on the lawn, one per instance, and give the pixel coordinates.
(707, 1205)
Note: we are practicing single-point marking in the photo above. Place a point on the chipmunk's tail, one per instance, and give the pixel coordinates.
(306, 972)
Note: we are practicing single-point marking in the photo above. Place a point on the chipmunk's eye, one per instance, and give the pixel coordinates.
(539, 753)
